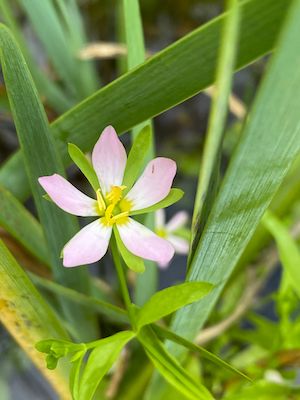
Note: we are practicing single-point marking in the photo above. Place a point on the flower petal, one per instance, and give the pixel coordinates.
(160, 218)
(109, 160)
(178, 221)
(144, 243)
(67, 197)
(88, 245)
(154, 184)
(180, 245)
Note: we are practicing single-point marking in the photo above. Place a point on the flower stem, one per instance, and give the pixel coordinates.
(122, 280)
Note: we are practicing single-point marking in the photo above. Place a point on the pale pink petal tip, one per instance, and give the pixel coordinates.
(154, 184)
(67, 197)
(144, 243)
(177, 221)
(109, 159)
(88, 246)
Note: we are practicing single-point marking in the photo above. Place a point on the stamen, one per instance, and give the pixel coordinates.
(115, 194)
(100, 201)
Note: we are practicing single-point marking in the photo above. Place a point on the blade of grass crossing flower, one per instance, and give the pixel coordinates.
(41, 158)
(180, 71)
(16, 220)
(210, 164)
(287, 247)
(28, 318)
(269, 144)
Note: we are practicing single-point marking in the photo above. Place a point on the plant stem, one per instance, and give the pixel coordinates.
(122, 281)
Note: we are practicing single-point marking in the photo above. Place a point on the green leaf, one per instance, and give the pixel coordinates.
(84, 165)
(174, 196)
(100, 361)
(169, 367)
(41, 158)
(137, 156)
(16, 220)
(165, 333)
(180, 71)
(288, 249)
(210, 163)
(75, 373)
(132, 261)
(171, 299)
(28, 318)
(268, 145)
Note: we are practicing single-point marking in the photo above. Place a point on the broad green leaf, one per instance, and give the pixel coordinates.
(169, 367)
(28, 318)
(165, 333)
(133, 262)
(171, 299)
(174, 196)
(84, 165)
(180, 71)
(137, 156)
(269, 144)
(100, 361)
(288, 249)
(210, 163)
(16, 220)
(41, 158)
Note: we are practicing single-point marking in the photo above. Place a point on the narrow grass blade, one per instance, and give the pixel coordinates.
(268, 146)
(209, 169)
(111, 311)
(288, 249)
(180, 71)
(16, 220)
(41, 158)
(28, 318)
(54, 95)
(165, 333)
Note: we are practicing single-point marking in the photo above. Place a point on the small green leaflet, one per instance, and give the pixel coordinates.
(84, 165)
(174, 196)
(168, 300)
(288, 250)
(137, 156)
(99, 362)
(132, 261)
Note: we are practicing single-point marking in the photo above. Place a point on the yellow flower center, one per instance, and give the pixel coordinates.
(161, 232)
(113, 209)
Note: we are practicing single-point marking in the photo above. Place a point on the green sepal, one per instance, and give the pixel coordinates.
(84, 165)
(132, 261)
(173, 196)
(137, 156)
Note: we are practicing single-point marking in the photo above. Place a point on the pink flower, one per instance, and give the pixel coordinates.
(112, 207)
(169, 231)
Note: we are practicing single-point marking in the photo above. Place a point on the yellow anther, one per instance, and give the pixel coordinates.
(115, 194)
(121, 218)
(100, 202)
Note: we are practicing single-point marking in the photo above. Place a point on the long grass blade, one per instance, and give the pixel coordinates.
(41, 158)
